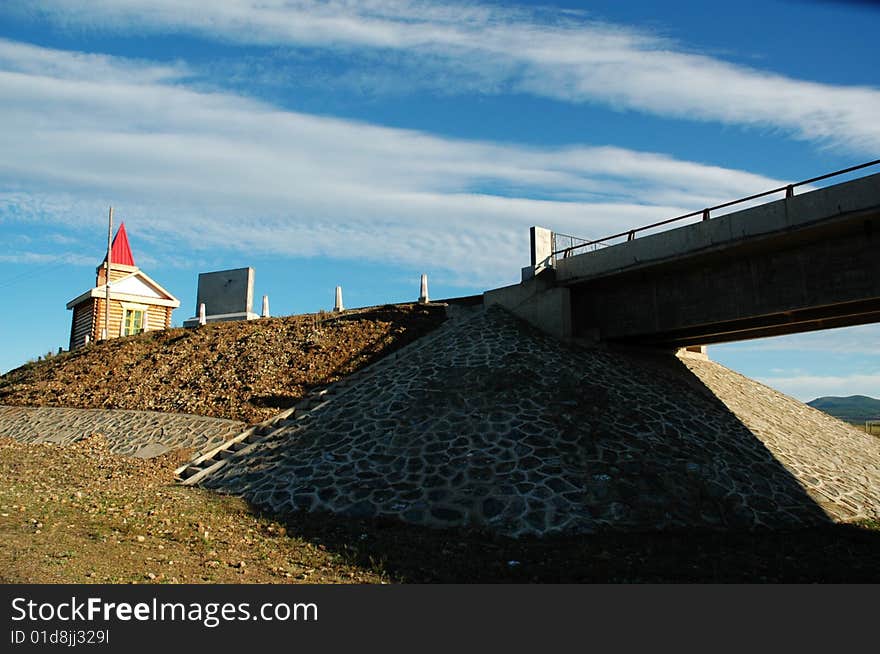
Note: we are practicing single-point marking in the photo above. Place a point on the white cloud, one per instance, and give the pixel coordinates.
(29, 59)
(862, 339)
(809, 387)
(215, 170)
(557, 55)
(47, 258)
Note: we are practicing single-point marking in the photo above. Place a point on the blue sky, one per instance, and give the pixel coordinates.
(363, 143)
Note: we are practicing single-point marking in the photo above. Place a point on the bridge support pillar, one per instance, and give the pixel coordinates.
(538, 302)
(693, 352)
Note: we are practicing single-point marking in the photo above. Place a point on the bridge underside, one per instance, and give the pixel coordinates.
(819, 277)
(776, 325)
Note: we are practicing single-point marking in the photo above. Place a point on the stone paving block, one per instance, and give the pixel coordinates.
(145, 434)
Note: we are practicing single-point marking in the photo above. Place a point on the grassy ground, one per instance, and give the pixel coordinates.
(81, 515)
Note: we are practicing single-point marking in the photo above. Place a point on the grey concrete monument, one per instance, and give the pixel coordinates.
(226, 294)
(541, 240)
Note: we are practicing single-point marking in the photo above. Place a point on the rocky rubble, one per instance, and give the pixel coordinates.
(245, 371)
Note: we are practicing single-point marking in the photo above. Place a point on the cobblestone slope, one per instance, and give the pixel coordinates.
(837, 464)
(143, 434)
(492, 424)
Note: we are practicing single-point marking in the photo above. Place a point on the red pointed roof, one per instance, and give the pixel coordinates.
(120, 252)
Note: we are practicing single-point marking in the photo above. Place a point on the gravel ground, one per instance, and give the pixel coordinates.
(246, 371)
(78, 514)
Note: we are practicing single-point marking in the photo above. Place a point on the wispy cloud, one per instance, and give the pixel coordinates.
(47, 258)
(215, 170)
(809, 387)
(863, 339)
(564, 56)
(29, 59)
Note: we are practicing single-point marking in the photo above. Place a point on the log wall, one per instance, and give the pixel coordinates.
(81, 325)
(88, 318)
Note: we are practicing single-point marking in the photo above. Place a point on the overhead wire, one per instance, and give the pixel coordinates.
(30, 274)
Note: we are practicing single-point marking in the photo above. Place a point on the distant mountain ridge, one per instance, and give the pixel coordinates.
(855, 408)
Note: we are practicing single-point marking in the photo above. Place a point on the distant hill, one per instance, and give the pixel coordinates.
(855, 408)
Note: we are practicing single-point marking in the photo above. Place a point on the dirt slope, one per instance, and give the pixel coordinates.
(242, 370)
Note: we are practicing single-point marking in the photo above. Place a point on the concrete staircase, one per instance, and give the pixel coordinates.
(194, 470)
(289, 421)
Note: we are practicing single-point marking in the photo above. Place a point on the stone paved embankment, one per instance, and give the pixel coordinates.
(494, 425)
(134, 433)
(837, 464)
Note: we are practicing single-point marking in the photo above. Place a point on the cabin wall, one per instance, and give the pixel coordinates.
(81, 324)
(158, 317)
(115, 319)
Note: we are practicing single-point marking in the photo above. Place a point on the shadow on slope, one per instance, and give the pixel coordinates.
(411, 554)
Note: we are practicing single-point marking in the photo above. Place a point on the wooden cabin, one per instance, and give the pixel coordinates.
(137, 302)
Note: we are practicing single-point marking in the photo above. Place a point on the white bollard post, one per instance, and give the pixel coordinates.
(87, 340)
(337, 307)
(266, 306)
(104, 334)
(423, 290)
(203, 320)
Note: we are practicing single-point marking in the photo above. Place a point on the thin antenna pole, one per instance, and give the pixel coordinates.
(107, 275)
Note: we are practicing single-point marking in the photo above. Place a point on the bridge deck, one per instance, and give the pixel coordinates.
(803, 263)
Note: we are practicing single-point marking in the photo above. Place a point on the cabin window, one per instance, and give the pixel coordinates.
(133, 322)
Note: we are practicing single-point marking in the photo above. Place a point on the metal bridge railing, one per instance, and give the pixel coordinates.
(566, 245)
(571, 243)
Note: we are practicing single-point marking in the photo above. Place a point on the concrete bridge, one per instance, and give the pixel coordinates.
(807, 262)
